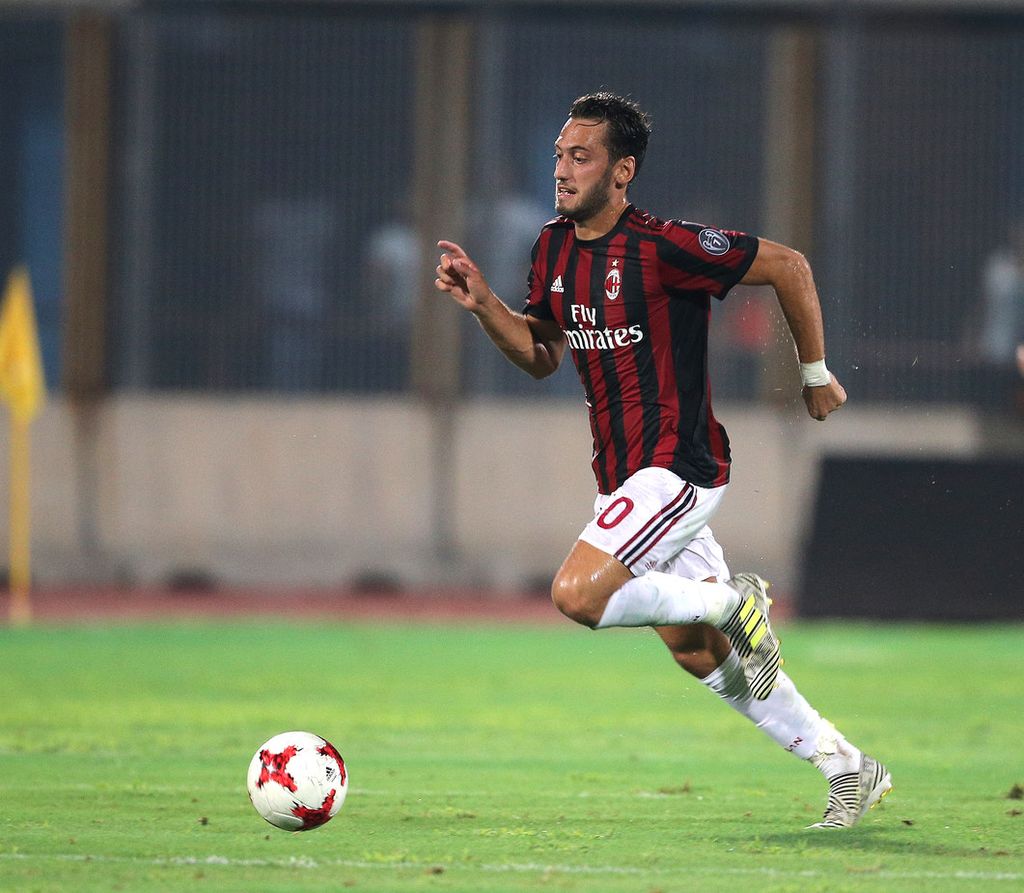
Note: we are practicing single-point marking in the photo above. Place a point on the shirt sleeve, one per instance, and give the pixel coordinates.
(702, 259)
(538, 301)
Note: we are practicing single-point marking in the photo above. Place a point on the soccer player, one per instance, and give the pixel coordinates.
(630, 295)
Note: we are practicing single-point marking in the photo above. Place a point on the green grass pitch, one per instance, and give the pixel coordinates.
(491, 758)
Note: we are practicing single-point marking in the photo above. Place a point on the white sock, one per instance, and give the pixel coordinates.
(785, 716)
(834, 755)
(658, 599)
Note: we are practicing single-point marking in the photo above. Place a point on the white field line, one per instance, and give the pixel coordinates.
(504, 868)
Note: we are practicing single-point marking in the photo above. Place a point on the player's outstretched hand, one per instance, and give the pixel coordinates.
(824, 399)
(461, 278)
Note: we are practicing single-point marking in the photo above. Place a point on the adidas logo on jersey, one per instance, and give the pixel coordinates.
(557, 287)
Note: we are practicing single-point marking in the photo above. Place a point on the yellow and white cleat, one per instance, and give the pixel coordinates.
(751, 635)
(852, 794)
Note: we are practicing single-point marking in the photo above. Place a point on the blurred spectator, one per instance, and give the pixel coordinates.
(1001, 339)
(1002, 333)
(392, 278)
(295, 237)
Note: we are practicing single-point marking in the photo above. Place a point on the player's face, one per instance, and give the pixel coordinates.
(583, 170)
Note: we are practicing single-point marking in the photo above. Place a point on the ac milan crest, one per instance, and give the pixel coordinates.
(613, 281)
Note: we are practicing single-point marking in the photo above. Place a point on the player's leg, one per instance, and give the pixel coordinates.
(856, 780)
(707, 653)
(590, 580)
(646, 521)
(747, 629)
(785, 716)
(585, 582)
(699, 649)
(608, 577)
(739, 608)
(631, 525)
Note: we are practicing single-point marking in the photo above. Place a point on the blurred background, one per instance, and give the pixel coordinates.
(229, 213)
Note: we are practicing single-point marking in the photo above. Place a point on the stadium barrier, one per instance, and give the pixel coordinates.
(924, 538)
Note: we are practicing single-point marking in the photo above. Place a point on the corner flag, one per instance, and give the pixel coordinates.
(23, 389)
(22, 385)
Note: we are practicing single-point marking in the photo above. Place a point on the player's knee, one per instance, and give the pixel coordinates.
(572, 598)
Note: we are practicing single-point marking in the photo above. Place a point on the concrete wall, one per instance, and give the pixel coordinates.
(299, 492)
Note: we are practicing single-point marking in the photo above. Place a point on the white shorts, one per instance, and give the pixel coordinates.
(657, 521)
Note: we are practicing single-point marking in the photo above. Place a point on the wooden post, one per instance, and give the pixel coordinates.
(21, 521)
(87, 61)
(443, 142)
(87, 119)
(788, 183)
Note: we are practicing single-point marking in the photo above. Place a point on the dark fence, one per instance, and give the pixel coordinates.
(263, 236)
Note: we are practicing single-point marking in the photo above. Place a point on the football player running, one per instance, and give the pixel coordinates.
(629, 294)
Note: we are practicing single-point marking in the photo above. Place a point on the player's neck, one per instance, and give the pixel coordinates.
(603, 222)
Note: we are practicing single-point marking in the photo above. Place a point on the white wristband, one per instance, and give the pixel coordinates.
(815, 375)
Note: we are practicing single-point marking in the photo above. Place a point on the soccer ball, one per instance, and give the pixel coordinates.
(297, 781)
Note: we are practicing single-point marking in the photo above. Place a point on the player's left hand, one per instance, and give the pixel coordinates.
(824, 399)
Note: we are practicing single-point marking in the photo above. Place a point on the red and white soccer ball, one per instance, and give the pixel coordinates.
(297, 781)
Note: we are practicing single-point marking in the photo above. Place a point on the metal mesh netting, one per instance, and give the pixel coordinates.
(265, 237)
(267, 162)
(922, 194)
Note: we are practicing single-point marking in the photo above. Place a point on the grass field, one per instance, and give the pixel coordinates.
(486, 758)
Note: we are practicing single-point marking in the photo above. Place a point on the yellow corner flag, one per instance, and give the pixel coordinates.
(22, 386)
(23, 389)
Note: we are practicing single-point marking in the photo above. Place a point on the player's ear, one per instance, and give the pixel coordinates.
(625, 171)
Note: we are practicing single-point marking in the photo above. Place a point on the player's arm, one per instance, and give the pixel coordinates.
(534, 345)
(788, 272)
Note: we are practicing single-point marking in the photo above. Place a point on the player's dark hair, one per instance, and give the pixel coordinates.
(629, 127)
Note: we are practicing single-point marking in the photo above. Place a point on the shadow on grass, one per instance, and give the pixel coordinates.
(868, 840)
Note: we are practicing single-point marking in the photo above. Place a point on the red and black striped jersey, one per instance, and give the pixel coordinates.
(635, 306)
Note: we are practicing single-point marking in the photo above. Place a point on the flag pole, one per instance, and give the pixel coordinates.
(23, 389)
(21, 523)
